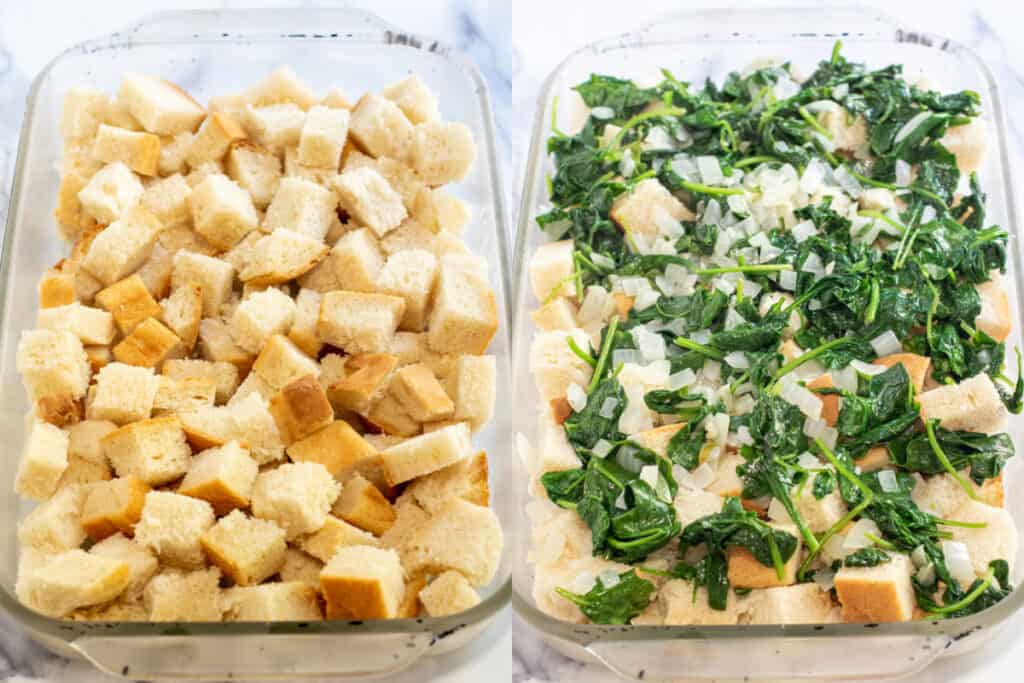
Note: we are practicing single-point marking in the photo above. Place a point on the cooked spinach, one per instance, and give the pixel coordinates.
(866, 557)
(615, 603)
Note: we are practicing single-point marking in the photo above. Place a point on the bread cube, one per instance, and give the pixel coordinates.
(256, 170)
(941, 495)
(281, 361)
(475, 556)
(297, 496)
(84, 440)
(313, 174)
(216, 344)
(214, 276)
(301, 206)
(551, 270)
(142, 564)
(56, 524)
(877, 594)
(997, 539)
(121, 609)
(280, 85)
(215, 136)
(255, 426)
(59, 411)
(442, 151)
(170, 200)
(682, 605)
(156, 272)
(284, 601)
(124, 394)
(973, 405)
(99, 357)
(746, 571)
(209, 427)
(149, 345)
(465, 314)
(154, 450)
(409, 518)
(129, 302)
(74, 579)
(389, 416)
(370, 200)
(916, 366)
(203, 171)
(56, 288)
(43, 461)
(183, 396)
(111, 192)
(224, 375)
(172, 526)
(253, 384)
(83, 111)
(449, 593)
(472, 384)
(410, 275)
(300, 567)
(182, 312)
(363, 582)
(91, 325)
(301, 408)
(138, 151)
(359, 322)
(174, 595)
(994, 318)
(411, 348)
(173, 149)
(402, 178)
(421, 394)
(357, 261)
(261, 316)
(303, 330)
(222, 211)
(415, 100)
(71, 218)
(465, 479)
(438, 211)
(113, 506)
(367, 376)
(380, 128)
(121, 248)
(363, 505)
(323, 137)
(248, 550)
(221, 476)
(411, 235)
(322, 277)
(427, 453)
(274, 126)
(334, 534)
(160, 106)
(967, 142)
(638, 210)
(281, 256)
(339, 448)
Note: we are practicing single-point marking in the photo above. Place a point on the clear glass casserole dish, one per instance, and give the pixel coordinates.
(695, 45)
(210, 53)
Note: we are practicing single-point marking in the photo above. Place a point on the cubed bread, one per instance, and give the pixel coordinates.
(322, 277)
(156, 272)
(247, 549)
(142, 564)
(380, 128)
(154, 450)
(942, 495)
(442, 151)
(173, 149)
(363, 582)
(280, 85)
(464, 318)
(804, 603)
(111, 192)
(300, 567)
(74, 579)
(357, 260)
(370, 200)
(367, 376)
(551, 270)
(84, 439)
(426, 453)
(99, 357)
(323, 137)
(256, 170)
(124, 394)
(281, 256)
(411, 275)
(175, 595)
(213, 275)
(209, 427)
(334, 534)
(149, 345)
(877, 594)
(297, 496)
(403, 179)
(172, 526)
(170, 200)
(121, 609)
(472, 385)
(83, 111)
(182, 312)
(91, 325)
(301, 206)
(274, 126)
(916, 366)
(224, 375)
(683, 604)
(409, 517)
(281, 361)
(222, 476)
(994, 318)
(359, 322)
(996, 539)
(261, 316)
(314, 174)
(337, 99)
(138, 151)
(160, 106)
(301, 408)
(449, 593)
(746, 571)
(415, 100)
(973, 405)
(203, 171)
(222, 211)
(303, 330)
(465, 479)
(638, 210)
(284, 601)
(339, 448)
(829, 402)
(438, 211)
(253, 384)
(255, 426)
(71, 217)
(475, 556)
(183, 396)
(43, 461)
(113, 506)
(387, 415)
(215, 136)
(363, 505)
(56, 288)
(83, 471)
(129, 302)
(421, 394)
(216, 344)
(59, 411)
(56, 524)
(52, 363)
(123, 246)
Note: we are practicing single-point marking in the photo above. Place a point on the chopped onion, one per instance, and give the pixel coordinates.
(649, 475)
(958, 559)
(603, 113)
(821, 105)
(703, 475)
(712, 213)
(701, 336)
(845, 378)
(684, 167)
(743, 436)
(658, 139)
(608, 578)
(857, 538)
(681, 379)
(576, 396)
(737, 360)
(808, 461)
(841, 91)
(919, 556)
(830, 437)
(602, 448)
(620, 502)
(887, 481)
(826, 143)
(848, 182)
(813, 265)
(667, 226)
(601, 260)
(928, 214)
(910, 126)
(556, 229)
(627, 167)
(712, 370)
(770, 253)
(623, 356)
(787, 280)
(608, 408)
(631, 286)
(903, 173)
(585, 580)
(825, 578)
(814, 427)
(646, 299)
(656, 373)
(869, 369)
(594, 304)
(803, 230)
(710, 170)
(684, 478)
(886, 344)
(814, 174)
(926, 575)
(650, 344)
(738, 205)
(777, 512)
(723, 285)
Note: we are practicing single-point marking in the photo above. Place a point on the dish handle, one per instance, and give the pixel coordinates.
(767, 22)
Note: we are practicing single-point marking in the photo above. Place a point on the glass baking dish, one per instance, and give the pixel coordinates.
(219, 52)
(694, 45)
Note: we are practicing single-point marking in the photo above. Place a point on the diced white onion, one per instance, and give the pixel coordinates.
(684, 167)
(738, 205)
(627, 166)
(787, 280)
(658, 139)
(808, 461)
(650, 344)
(770, 253)
(585, 580)
(814, 427)
(623, 356)
(845, 379)
(646, 299)
(684, 478)
(830, 437)
(903, 173)
(601, 260)
(777, 512)
(723, 285)
(803, 230)
(818, 106)
(683, 378)
(609, 578)
(620, 502)
(743, 436)
(813, 265)
(595, 301)
(667, 226)
(656, 373)
(841, 91)
(576, 396)
(603, 113)
(887, 481)
(825, 578)
(827, 143)
(848, 182)
(710, 170)
(737, 360)
(857, 538)
(556, 229)
(886, 344)
(631, 286)
(712, 370)
(602, 448)
(910, 126)
(814, 174)
(712, 213)
(926, 575)
(958, 559)
(928, 214)
(868, 369)
(608, 407)
(919, 557)
(703, 475)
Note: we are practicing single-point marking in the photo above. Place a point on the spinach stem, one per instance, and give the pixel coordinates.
(967, 599)
(880, 542)
(700, 348)
(763, 268)
(813, 122)
(640, 118)
(872, 309)
(809, 356)
(929, 427)
(878, 215)
(755, 160)
(962, 525)
(700, 188)
(583, 355)
(606, 349)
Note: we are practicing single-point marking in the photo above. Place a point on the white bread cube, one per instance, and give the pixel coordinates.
(99, 357)
(114, 506)
(357, 261)
(153, 450)
(274, 126)
(402, 178)
(43, 461)
(255, 426)
(415, 100)
(410, 275)
(410, 517)
(284, 601)
(472, 385)
(183, 396)
(363, 582)
(442, 151)
(209, 427)
(370, 200)
(216, 278)
(996, 540)
(83, 111)
(261, 316)
(421, 394)
(475, 556)
(281, 256)
(222, 211)
(156, 272)
(172, 526)
(339, 448)
(129, 304)
(52, 363)
(248, 550)
(994, 318)
(916, 366)
(280, 85)
(322, 277)
(551, 270)
(121, 609)
(198, 174)
(111, 192)
(74, 579)
(56, 288)
(142, 564)
(215, 136)
(281, 361)
(465, 479)
(300, 567)
(301, 408)
(359, 322)
(303, 330)
(366, 377)
(84, 439)
(323, 137)
(124, 394)
(684, 606)
(182, 312)
(91, 325)
(413, 347)
(138, 151)
(337, 99)
(389, 416)
(363, 505)
(449, 593)
(224, 375)
(380, 128)
(71, 217)
(216, 344)
(175, 595)
(221, 476)
(121, 248)
(465, 314)
(438, 211)
(56, 524)
(638, 210)
(968, 142)
(553, 364)
(314, 174)
(335, 534)
(941, 494)
(59, 411)
(149, 345)
(427, 453)
(173, 149)
(160, 106)
(253, 384)
(746, 571)
(301, 206)
(297, 496)
(973, 405)
(877, 594)
(256, 170)
(183, 238)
